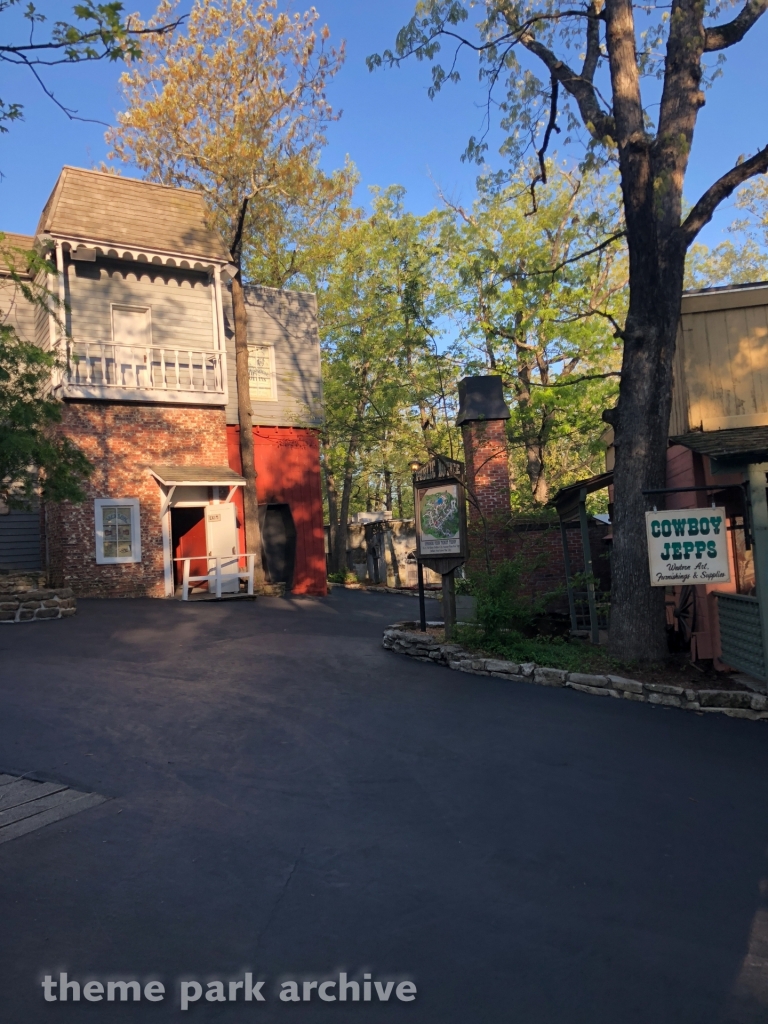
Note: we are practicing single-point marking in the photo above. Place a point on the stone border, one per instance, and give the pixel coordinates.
(402, 638)
(381, 588)
(34, 605)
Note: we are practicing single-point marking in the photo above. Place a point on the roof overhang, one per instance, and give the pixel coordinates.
(729, 447)
(568, 499)
(151, 257)
(196, 476)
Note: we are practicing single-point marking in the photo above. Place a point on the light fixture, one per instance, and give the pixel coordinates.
(415, 464)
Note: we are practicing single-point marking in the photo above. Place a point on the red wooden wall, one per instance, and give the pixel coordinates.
(288, 471)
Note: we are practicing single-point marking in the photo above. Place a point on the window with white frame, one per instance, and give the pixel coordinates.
(262, 382)
(118, 530)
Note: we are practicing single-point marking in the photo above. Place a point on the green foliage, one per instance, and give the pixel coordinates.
(530, 309)
(33, 459)
(342, 577)
(556, 652)
(385, 379)
(501, 606)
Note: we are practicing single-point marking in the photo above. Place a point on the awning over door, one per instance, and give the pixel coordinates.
(196, 476)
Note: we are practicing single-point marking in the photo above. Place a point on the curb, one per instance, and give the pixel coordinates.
(401, 638)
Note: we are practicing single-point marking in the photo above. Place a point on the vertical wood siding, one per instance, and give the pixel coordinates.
(725, 368)
(180, 303)
(678, 419)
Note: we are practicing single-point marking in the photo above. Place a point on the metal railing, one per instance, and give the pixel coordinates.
(223, 576)
(101, 365)
(741, 633)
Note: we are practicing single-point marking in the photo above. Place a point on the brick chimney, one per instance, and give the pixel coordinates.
(482, 416)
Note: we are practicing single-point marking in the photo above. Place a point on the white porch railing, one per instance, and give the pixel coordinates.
(100, 365)
(221, 571)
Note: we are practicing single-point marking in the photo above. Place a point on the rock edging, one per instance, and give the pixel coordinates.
(402, 639)
(36, 605)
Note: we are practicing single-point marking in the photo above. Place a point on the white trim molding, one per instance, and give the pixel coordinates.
(135, 515)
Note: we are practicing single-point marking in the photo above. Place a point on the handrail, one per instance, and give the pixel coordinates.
(101, 364)
(215, 571)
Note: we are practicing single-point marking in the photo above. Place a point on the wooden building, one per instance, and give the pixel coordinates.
(147, 382)
(719, 451)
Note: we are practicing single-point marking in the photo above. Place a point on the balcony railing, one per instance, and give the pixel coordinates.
(94, 366)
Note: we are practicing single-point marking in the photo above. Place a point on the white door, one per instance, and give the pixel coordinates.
(221, 541)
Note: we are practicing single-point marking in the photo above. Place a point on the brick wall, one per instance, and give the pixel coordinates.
(122, 441)
(485, 454)
(539, 544)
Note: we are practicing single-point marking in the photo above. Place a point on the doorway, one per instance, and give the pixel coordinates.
(201, 533)
(278, 538)
(188, 541)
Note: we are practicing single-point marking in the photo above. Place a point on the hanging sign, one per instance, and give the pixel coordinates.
(441, 527)
(688, 546)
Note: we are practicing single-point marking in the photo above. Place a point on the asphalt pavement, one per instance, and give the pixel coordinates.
(288, 801)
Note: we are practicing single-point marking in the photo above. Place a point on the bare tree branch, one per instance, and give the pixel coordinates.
(599, 124)
(722, 36)
(702, 212)
(551, 127)
(508, 275)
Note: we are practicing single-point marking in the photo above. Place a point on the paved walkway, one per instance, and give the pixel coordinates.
(285, 798)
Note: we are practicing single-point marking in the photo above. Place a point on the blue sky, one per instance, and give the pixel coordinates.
(390, 128)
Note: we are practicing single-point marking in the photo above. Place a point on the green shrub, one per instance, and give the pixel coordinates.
(501, 607)
(342, 577)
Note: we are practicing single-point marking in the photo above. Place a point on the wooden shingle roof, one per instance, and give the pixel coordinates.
(10, 242)
(96, 207)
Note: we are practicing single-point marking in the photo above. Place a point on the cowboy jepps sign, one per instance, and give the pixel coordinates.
(688, 546)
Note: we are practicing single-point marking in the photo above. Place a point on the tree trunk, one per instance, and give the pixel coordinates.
(340, 554)
(641, 423)
(652, 194)
(388, 490)
(534, 453)
(250, 500)
(333, 502)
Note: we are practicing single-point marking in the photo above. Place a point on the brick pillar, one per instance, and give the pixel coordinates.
(482, 417)
(485, 454)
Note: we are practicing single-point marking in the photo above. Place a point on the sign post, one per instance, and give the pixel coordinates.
(441, 526)
(688, 546)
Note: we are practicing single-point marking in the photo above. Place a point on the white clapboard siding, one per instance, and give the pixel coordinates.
(287, 321)
(180, 304)
(20, 540)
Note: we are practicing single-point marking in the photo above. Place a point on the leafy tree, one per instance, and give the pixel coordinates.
(234, 106)
(385, 382)
(636, 88)
(34, 460)
(551, 336)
